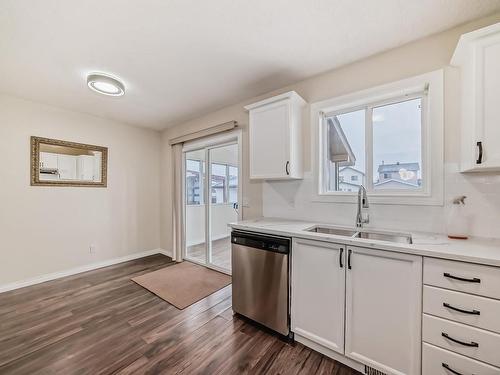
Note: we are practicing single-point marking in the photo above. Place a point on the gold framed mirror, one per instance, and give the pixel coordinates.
(62, 163)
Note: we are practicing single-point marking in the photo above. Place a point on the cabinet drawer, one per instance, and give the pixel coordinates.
(476, 311)
(464, 277)
(486, 344)
(435, 361)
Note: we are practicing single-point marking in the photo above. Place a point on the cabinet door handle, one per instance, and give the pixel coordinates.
(471, 312)
(287, 168)
(341, 255)
(445, 365)
(471, 344)
(480, 149)
(473, 280)
(349, 259)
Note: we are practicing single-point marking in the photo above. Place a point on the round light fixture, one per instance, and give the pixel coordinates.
(105, 84)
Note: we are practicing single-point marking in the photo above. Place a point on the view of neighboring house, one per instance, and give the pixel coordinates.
(398, 176)
(224, 183)
(350, 178)
(390, 176)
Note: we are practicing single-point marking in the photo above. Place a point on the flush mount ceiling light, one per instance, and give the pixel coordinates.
(105, 84)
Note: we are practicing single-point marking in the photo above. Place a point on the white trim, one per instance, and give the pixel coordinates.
(77, 270)
(217, 140)
(432, 139)
(204, 132)
(290, 95)
(465, 41)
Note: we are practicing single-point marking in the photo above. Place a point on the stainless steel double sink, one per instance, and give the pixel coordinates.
(361, 233)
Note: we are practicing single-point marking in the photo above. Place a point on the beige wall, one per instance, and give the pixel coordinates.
(294, 199)
(49, 229)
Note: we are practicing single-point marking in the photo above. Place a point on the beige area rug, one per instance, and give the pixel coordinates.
(184, 283)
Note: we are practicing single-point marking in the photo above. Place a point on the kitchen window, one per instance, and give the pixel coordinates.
(388, 139)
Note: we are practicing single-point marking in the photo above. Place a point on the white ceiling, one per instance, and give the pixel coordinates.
(182, 58)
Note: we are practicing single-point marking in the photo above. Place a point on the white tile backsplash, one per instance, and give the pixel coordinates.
(294, 200)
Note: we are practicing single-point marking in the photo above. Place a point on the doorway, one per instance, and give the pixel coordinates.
(212, 177)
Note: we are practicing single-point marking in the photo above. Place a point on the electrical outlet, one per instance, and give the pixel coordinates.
(92, 249)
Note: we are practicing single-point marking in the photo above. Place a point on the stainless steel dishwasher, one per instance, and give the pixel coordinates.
(260, 269)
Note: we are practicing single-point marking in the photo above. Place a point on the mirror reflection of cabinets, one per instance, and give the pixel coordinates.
(56, 162)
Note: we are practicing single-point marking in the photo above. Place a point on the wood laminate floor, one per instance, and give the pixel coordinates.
(100, 322)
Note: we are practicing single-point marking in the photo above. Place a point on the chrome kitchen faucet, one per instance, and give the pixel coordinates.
(362, 203)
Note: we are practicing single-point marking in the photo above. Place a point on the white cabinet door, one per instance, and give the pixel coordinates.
(318, 292)
(384, 310)
(48, 160)
(275, 137)
(488, 110)
(478, 57)
(66, 165)
(85, 168)
(269, 145)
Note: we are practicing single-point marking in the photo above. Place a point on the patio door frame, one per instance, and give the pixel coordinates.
(207, 144)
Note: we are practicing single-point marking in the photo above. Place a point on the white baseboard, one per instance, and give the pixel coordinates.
(74, 271)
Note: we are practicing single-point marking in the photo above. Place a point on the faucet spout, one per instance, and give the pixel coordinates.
(362, 203)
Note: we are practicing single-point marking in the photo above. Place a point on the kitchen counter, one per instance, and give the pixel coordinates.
(474, 250)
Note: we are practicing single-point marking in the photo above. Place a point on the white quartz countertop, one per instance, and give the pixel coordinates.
(474, 249)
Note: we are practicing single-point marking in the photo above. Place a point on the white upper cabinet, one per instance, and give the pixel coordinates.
(276, 137)
(66, 166)
(48, 160)
(478, 56)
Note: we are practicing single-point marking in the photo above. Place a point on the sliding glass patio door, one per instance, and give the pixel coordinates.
(212, 176)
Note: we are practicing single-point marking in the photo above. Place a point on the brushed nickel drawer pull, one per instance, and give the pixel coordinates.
(471, 344)
(471, 312)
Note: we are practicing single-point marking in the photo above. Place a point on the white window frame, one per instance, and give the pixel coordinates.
(429, 86)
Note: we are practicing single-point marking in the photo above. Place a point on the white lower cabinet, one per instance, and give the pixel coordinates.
(318, 292)
(437, 361)
(464, 308)
(383, 310)
(362, 303)
(461, 310)
(470, 341)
